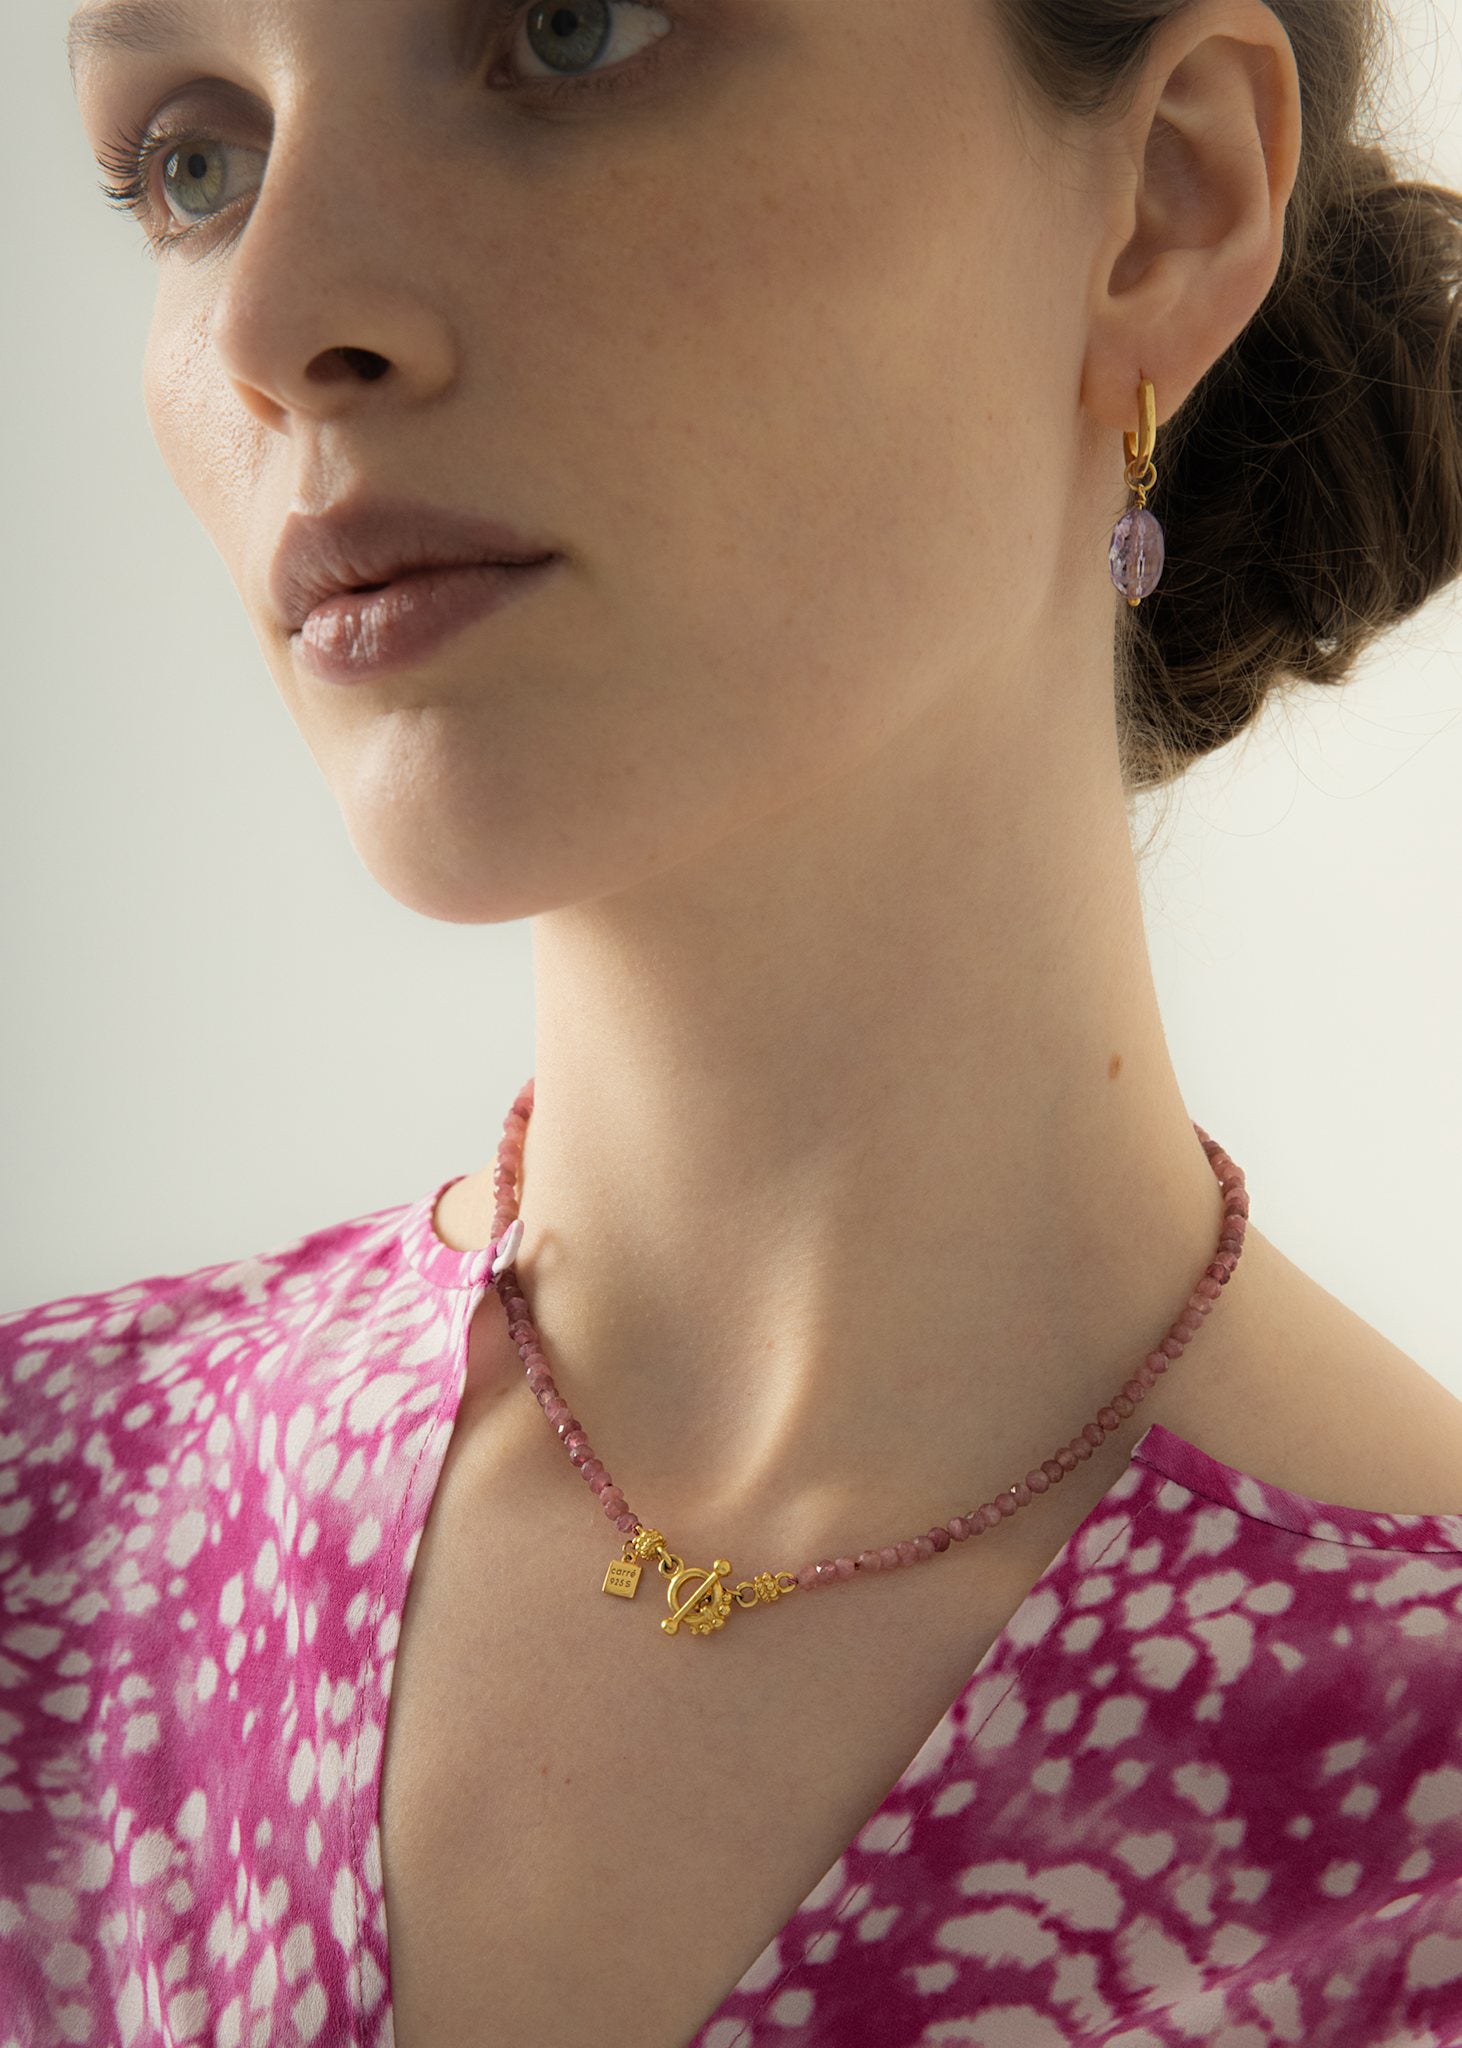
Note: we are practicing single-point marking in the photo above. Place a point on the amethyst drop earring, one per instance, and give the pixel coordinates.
(1137, 549)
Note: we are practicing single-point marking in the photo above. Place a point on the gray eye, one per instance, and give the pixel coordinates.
(196, 179)
(566, 38)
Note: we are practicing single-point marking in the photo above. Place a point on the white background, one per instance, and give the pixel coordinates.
(218, 1032)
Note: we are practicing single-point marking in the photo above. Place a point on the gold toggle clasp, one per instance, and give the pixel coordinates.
(708, 1604)
(705, 1607)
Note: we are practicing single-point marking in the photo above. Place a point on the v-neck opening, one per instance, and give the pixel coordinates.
(466, 1276)
(1016, 1646)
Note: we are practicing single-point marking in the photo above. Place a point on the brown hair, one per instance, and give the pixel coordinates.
(1310, 486)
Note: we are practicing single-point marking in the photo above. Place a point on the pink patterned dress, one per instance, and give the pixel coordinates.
(1206, 1788)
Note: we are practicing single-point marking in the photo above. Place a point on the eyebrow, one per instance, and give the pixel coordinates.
(146, 26)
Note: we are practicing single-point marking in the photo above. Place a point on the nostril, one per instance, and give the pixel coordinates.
(365, 361)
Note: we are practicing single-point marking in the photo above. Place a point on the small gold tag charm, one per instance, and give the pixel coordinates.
(623, 1576)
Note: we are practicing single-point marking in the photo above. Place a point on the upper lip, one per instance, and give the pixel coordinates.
(373, 540)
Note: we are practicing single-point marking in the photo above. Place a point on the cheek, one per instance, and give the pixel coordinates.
(808, 462)
(214, 450)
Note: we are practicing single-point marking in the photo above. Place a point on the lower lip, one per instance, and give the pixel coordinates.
(360, 634)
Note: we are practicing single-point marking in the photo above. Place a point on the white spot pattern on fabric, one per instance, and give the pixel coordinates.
(1204, 1791)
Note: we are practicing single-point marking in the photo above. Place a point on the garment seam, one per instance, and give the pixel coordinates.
(424, 1249)
(1352, 1540)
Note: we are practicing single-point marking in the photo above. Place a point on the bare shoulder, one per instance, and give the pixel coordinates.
(463, 1216)
(1312, 1398)
(1404, 1447)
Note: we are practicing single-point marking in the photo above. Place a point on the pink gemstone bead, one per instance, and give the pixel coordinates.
(1137, 560)
(1136, 553)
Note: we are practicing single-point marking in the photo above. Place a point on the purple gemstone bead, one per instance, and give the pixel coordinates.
(1136, 555)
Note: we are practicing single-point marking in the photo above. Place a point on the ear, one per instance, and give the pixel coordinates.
(1207, 154)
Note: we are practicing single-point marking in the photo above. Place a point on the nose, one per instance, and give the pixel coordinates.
(329, 289)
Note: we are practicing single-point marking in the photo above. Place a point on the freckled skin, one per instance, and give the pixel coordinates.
(858, 1175)
(813, 354)
(756, 344)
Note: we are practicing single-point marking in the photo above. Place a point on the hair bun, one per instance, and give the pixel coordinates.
(1313, 480)
(1310, 486)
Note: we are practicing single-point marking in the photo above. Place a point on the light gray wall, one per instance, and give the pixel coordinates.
(216, 1031)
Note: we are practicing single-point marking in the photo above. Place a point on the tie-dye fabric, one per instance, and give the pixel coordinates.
(1205, 1789)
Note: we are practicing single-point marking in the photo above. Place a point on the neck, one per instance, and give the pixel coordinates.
(858, 1173)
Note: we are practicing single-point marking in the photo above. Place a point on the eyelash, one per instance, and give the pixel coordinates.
(129, 158)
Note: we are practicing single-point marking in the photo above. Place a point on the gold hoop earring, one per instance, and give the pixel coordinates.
(1138, 549)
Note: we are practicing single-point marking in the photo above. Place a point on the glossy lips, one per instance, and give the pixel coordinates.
(376, 584)
(357, 635)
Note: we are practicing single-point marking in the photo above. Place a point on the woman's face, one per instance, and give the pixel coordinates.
(768, 319)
